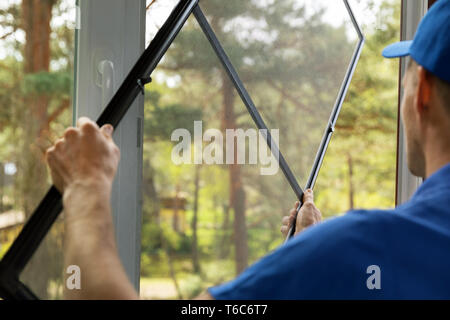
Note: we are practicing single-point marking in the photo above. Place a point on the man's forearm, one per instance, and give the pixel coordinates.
(90, 244)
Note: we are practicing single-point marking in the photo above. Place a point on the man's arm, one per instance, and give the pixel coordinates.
(83, 164)
(90, 244)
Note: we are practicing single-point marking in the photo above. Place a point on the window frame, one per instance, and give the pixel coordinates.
(107, 27)
(406, 183)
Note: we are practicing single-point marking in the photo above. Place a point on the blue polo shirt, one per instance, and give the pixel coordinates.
(402, 253)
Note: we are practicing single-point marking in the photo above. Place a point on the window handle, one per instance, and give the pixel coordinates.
(106, 81)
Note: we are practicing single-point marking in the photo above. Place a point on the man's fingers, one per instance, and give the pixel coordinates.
(107, 130)
(49, 151)
(59, 144)
(305, 219)
(83, 120)
(292, 212)
(291, 221)
(286, 220)
(71, 133)
(318, 215)
(86, 124)
(308, 196)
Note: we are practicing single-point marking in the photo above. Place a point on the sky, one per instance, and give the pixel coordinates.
(161, 9)
(336, 12)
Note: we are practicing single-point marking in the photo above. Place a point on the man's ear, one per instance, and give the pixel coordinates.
(423, 93)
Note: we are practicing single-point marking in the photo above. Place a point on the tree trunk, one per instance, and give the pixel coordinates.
(237, 193)
(151, 195)
(239, 223)
(172, 272)
(350, 182)
(36, 15)
(176, 219)
(36, 24)
(224, 240)
(195, 255)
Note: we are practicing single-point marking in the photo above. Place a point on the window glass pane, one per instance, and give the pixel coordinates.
(36, 79)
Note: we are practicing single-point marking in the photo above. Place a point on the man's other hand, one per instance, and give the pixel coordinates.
(84, 155)
(307, 216)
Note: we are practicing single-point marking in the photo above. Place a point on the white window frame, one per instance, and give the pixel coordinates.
(109, 41)
(412, 13)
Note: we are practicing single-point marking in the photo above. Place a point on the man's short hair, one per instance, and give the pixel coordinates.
(443, 87)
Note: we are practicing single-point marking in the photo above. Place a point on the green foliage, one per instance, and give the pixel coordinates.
(155, 234)
(151, 241)
(192, 286)
(47, 83)
(164, 120)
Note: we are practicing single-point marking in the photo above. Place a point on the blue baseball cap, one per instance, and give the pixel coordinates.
(431, 45)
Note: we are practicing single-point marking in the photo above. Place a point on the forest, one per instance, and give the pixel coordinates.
(205, 223)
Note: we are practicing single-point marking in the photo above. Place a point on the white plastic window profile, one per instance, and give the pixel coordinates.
(110, 39)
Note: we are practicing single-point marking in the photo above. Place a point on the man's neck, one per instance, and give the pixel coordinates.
(436, 158)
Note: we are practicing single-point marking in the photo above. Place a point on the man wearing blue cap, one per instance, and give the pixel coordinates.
(394, 254)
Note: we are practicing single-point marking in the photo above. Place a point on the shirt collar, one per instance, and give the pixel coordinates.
(438, 180)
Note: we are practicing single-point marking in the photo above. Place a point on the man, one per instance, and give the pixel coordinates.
(393, 254)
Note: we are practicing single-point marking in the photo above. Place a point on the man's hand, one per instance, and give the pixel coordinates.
(84, 155)
(307, 216)
(83, 164)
